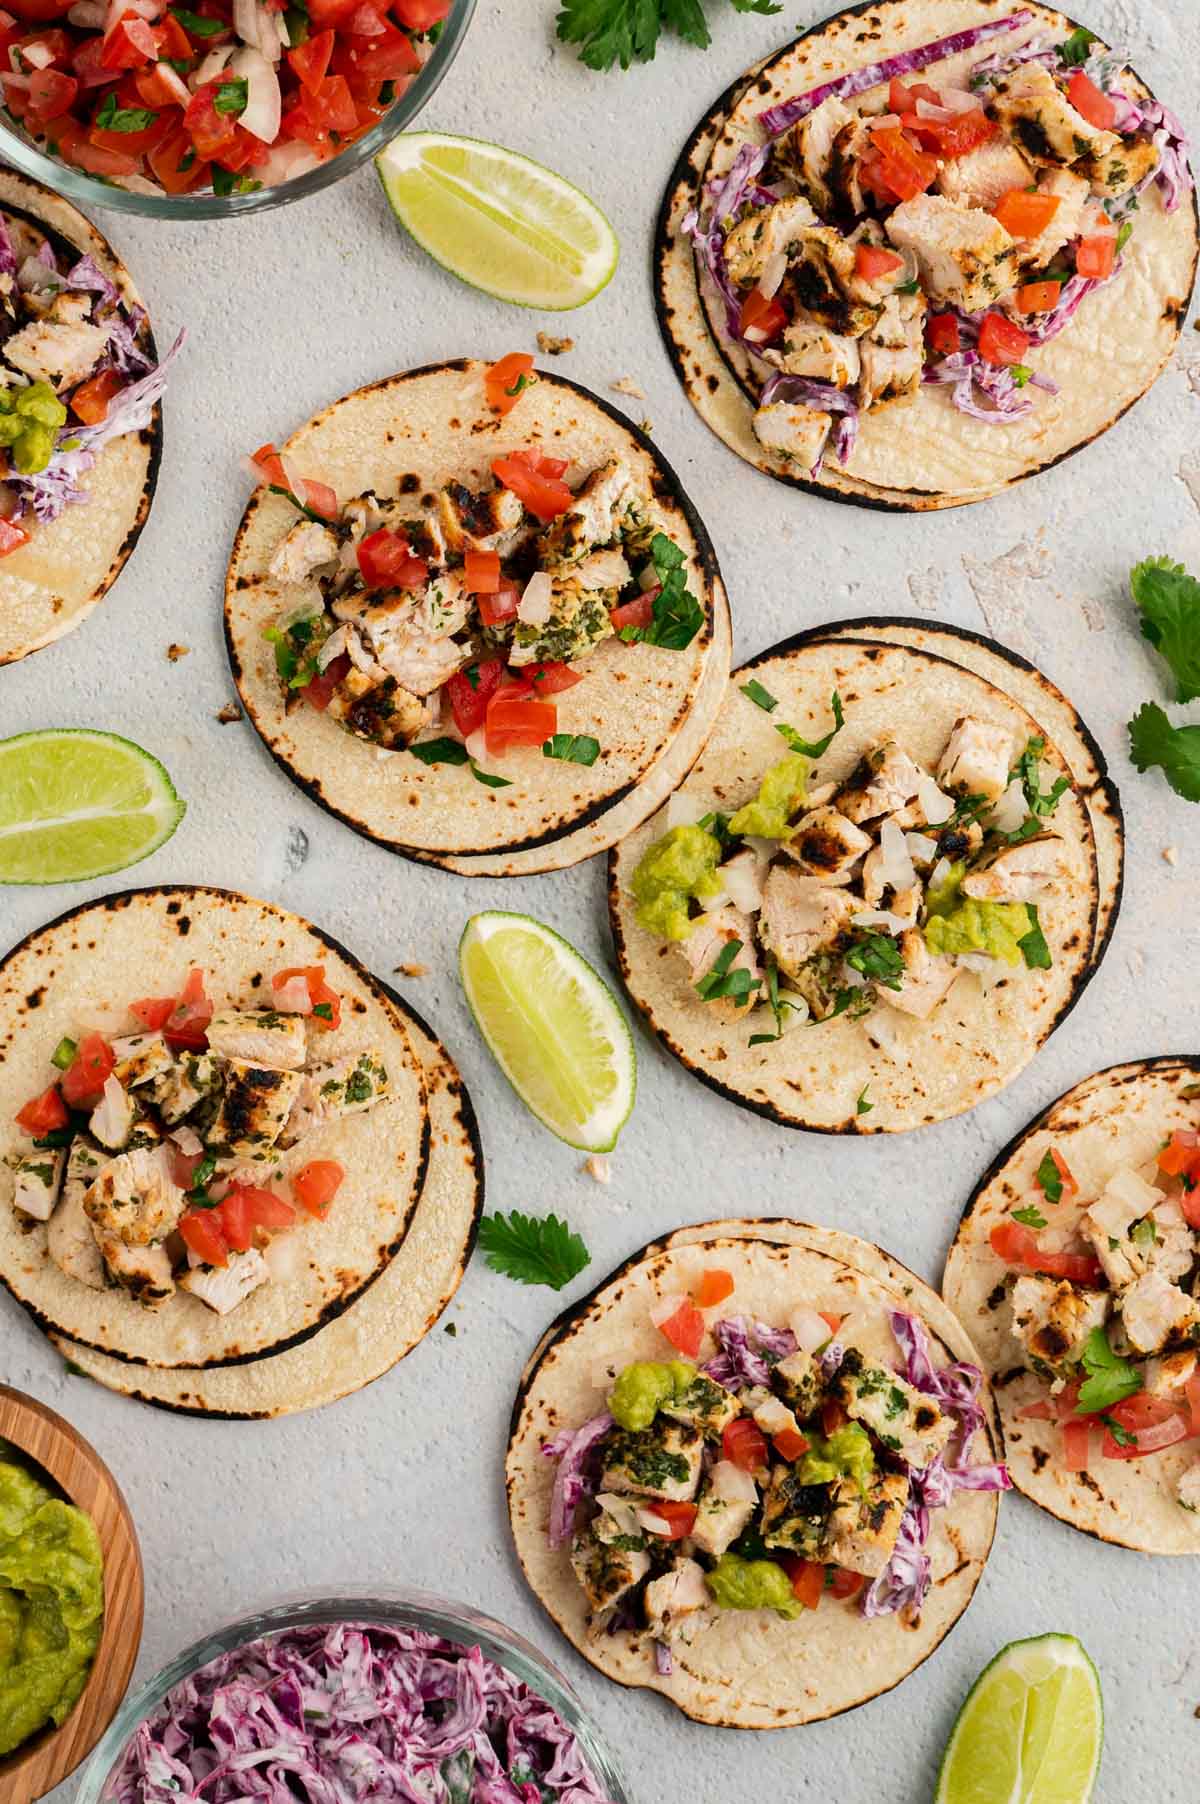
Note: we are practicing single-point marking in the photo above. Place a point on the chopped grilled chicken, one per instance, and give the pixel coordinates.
(850, 145)
(141, 1059)
(794, 1516)
(112, 1118)
(976, 758)
(1052, 1318)
(480, 520)
(605, 1572)
(608, 509)
(703, 946)
(728, 1498)
(38, 1179)
(1187, 1488)
(662, 1461)
(346, 1087)
(801, 917)
(1018, 873)
(84, 1163)
(806, 151)
(793, 432)
(61, 355)
(306, 547)
(579, 619)
(385, 713)
(1167, 1376)
(927, 977)
(823, 276)
(224, 1287)
(802, 1383)
(603, 570)
(255, 1104)
(144, 1271)
(1121, 1260)
(1172, 1252)
(678, 1602)
(1155, 1311)
(825, 844)
(134, 1197)
(763, 237)
(61, 305)
(770, 1412)
(260, 1036)
(966, 257)
(884, 780)
(899, 1415)
(893, 353)
(184, 1087)
(409, 635)
(1036, 112)
(704, 1405)
(863, 1527)
(1116, 171)
(985, 175)
(71, 1242)
(810, 349)
(1126, 1198)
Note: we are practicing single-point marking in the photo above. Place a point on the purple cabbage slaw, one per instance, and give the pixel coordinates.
(574, 1479)
(743, 1344)
(348, 1712)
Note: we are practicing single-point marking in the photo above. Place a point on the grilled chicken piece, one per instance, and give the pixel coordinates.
(346, 1087)
(184, 1087)
(823, 276)
(966, 257)
(728, 1498)
(763, 238)
(704, 1405)
(825, 844)
(480, 520)
(976, 758)
(112, 1118)
(1052, 1318)
(801, 917)
(794, 1516)
(71, 1242)
(806, 150)
(1155, 1311)
(1036, 112)
(793, 432)
(662, 1461)
(578, 621)
(1172, 1252)
(983, 176)
(863, 1528)
(144, 1271)
(261, 1036)
(306, 547)
(438, 607)
(606, 1573)
(608, 509)
(893, 353)
(385, 713)
(1167, 1376)
(802, 1382)
(606, 570)
(61, 355)
(704, 945)
(810, 349)
(884, 780)
(899, 1415)
(224, 1287)
(1116, 171)
(84, 1164)
(850, 145)
(1071, 192)
(38, 1179)
(134, 1197)
(678, 1602)
(1018, 873)
(1121, 1260)
(141, 1059)
(255, 1104)
(59, 305)
(418, 658)
(926, 979)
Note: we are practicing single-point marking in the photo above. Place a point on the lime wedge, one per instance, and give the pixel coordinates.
(498, 221)
(552, 1025)
(1030, 1731)
(76, 804)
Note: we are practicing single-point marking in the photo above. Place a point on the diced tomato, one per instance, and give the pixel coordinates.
(212, 133)
(51, 93)
(386, 561)
(832, 1322)
(808, 1579)
(469, 698)
(186, 1026)
(54, 43)
(236, 1225)
(152, 1011)
(85, 61)
(745, 1445)
(551, 678)
(1155, 1422)
(1180, 1153)
(183, 1165)
(538, 488)
(833, 1417)
(268, 1210)
(132, 144)
(202, 1235)
(1037, 297)
(903, 96)
(44, 1113)
(871, 261)
(1037, 1412)
(421, 15)
(1002, 342)
(1095, 257)
(845, 1584)
(1095, 105)
(639, 612)
(1017, 1245)
(316, 1184)
(327, 1004)
(323, 13)
(153, 90)
(1076, 1449)
(1025, 215)
(310, 60)
(893, 168)
(764, 317)
(959, 136)
(714, 1287)
(318, 692)
(680, 1518)
(367, 62)
(330, 105)
(172, 40)
(514, 721)
(790, 1444)
(507, 381)
(319, 497)
(685, 1328)
(500, 606)
(39, 12)
(1069, 1183)
(74, 146)
(1189, 1199)
(481, 572)
(128, 43)
(83, 1081)
(90, 400)
(12, 537)
(269, 465)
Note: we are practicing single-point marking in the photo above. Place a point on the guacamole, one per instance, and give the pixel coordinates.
(996, 928)
(779, 794)
(845, 1454)
(944, 897)
(29, 422)
(738, 1584)
(676, 869)
(51, 1604)
(644, 1387)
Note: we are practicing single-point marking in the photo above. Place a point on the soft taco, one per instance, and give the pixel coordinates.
(473, 614)
(879, 890)
(755, 1471)
(911, 265)
(80, 383)
(215, 1127)
(1075, 1272)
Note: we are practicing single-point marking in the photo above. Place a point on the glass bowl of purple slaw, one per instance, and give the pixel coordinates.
(357, 1696)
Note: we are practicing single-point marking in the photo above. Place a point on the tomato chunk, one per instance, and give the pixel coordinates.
(685, 1328)
(762, 318)
(44, 1113)
(744, 1444)
(1096, 256)
(893, 168)
(187, 1024)
(551, 678)
(1154, 1422)
(680, 1518)
(1025, 215)
(83, 1082)
(502, 605)
(1091, 101)
(507, 381)
(202, 1235)
(128, 43)
(327, 1004)
(808, 1579)
(512, 720)
(1076, 1445)
(51, 93)
(1002, 342)
(790, 1444)
(12, 537)
(421, 15)
(1038, 297)
(639, 612)
(153, 1011)
(1017, 1245)
(90, 401)
(310, 60)
(481, 572)
(536, 484)
(316, 1184)
(846, 1584)
(469, 692)
(871, 261)
(714, 1287)
(235, 1223)
(386, 561)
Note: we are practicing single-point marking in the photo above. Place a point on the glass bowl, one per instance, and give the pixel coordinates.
(392, 1608)
(94, 191)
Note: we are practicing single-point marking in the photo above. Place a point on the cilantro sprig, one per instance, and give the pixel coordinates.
(1040, 802)
(1168, 600)
(453, 751)
(1110, 1379)
(1153, 741)
(1050, 1179)
(1030, 1216)
(573, 748)
(814, 748)
(532, 1249)
(627, 31)
(722, 980)
(677, 616)
(877, 957)
(1074, 51)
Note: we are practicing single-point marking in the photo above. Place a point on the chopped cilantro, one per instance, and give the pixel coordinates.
(862, 1106)
(1120, 1435)
(878, 958)
(1050, 1178)
(232, 95)
(720, 980)
(113, 118)
(574, 748)
(762, 698)
(441, 751)
(1034, 949)
(1076, 49)
(197, 26)
(1030, 1216)
(323, 1010)
(815, 748)
(677, 615)
(1109, 1378)
(63, 1054)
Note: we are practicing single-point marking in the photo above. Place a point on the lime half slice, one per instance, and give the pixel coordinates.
(552, 1025)
(498, 221)
(76, 804)
(1031, 1730)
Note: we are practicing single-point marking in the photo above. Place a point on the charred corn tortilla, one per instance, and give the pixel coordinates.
(973, 1043)
(384, 1324)
(82, 970)
(750, 1670)
(410, 434)
(928, 455)
(50, 585)
(1120, 1116)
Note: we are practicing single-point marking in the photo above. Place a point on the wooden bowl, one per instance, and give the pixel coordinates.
(43, 1761)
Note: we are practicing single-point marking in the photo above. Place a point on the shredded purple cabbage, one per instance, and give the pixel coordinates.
(966, 371)
(740, 1362)
(723, 201)
(334, 1715)
(87, 276)
(573, 1481)
(8, 258)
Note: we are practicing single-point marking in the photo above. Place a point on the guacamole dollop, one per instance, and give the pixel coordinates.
(944, 897)
(29, 422)
(846, 1453)
(783, 787)
(644, 1387)
(738, 1584)
(996, 928)
(51, 1604)
(679, 867)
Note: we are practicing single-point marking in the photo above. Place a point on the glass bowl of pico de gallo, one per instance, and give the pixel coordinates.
(212, 108)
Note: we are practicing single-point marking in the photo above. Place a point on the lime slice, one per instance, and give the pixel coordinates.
(498, 221)
(552, 1025)
(1030, 1731)
(76, 804)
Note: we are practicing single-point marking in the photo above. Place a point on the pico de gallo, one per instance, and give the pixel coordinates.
(448, 629)
(754, 1466)
(158, 1156)
(894, 233)
(231, 95)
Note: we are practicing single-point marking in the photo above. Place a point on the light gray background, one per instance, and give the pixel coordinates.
(402, 1484)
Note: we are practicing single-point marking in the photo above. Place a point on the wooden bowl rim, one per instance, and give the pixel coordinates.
(62, 1750)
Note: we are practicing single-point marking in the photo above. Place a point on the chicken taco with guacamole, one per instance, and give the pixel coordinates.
(1076, 1270)
(880, 888)
(471, 611)
(756, 1471)
(912, 264)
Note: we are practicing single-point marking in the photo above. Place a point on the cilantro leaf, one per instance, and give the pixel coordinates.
(1030, 1216)
(1169, 602)
(627, 31)
(1109, 1378)
(762, 698)
(113, 118)
(1050, 1179)
(678, 616)
(488, 778)
(1076, 49)
(862, 1106)
(814, 748)
(878, 958)
(720, 980)
(1120, 1435)
(1039, 802)
(441, 751)
(575, 748)
(1034, 949)
(198, 27)
(232, 95)
(532, 1249)
(778, 1005)
(1153, 740)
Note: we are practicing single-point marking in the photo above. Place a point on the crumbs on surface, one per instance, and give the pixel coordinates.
(552, 346)
(625, 385)
(229, 713)
(599, 1166)
(175, 652)
(1171, 854)
(412, 969)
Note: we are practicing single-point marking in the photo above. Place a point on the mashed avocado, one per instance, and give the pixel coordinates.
(675, 869)
(996, 928)
(51, 1604)
(643, 1388)
(29, 422)
(780, 792)
(944, 897)
(738, 1584)
(846, 1454)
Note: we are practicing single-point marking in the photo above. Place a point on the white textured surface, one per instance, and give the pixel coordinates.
(402, 1484)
